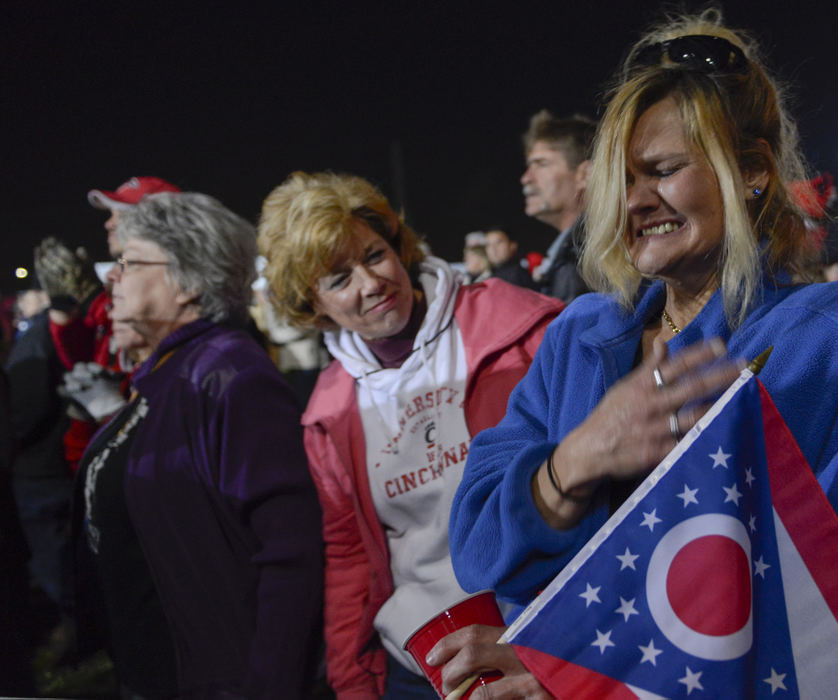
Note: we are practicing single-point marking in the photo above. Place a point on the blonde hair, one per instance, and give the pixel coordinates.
(729, 118)
(309, 221)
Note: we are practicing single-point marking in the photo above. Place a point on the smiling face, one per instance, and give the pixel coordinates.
(675, 209)
(367, 289)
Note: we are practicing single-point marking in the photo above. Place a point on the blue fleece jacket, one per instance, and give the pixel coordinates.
(498, 538)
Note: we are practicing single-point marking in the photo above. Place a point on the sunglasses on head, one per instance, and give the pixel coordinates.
(701, 52)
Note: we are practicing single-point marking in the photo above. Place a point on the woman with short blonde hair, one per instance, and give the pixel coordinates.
(308, 221)
(422, 363)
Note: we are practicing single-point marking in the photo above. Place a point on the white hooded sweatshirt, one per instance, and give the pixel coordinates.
(417, 441)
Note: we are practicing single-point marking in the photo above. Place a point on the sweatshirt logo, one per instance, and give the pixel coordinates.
(425, 427)
(430, 434)
(417, 410)
(416, 478)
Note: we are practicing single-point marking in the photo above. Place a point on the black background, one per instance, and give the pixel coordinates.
(426, 99)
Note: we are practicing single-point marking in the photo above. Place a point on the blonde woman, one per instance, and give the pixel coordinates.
(695, 247)
(422, 364)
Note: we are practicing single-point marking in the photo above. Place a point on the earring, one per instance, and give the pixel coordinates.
(757, 192)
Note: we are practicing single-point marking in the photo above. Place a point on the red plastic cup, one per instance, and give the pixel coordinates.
(478, 609)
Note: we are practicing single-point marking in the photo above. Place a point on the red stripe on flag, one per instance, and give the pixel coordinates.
(568, 681)
(800, 502)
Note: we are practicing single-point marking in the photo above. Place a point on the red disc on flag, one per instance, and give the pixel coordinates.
(698, 587)
(709, 585)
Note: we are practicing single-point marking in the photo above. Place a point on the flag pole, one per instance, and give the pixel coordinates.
(759, 361)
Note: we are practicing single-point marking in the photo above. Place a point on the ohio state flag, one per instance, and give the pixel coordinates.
(717, 578)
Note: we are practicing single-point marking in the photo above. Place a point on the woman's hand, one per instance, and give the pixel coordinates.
(473, 650)
(634, 426)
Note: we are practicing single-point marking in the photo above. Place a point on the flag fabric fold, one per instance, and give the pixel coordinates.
(718, 577)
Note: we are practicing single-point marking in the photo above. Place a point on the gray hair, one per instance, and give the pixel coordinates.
(211, 250)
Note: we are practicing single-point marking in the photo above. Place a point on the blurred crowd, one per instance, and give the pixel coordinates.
(229, 452)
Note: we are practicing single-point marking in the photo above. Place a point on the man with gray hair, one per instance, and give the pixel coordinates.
(558, 155)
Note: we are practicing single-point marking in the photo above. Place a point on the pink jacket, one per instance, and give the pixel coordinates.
(502, 326)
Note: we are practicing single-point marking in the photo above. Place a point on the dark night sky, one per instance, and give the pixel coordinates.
(229, 99)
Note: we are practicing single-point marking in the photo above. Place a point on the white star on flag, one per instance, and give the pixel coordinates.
(759, 567)
(651, 519)
(752, 523)
(749, 477)
(775, 680)
(692, 681)
(591, 595)
(688, 496)
(627, 560)
(627, 608)
(650, 654)
(603, 641)
(733, 494)
(720, 458)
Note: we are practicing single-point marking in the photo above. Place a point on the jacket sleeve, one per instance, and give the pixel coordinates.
(265, 473)
(33, 373)
(355, 666)
(74, 341)
(500, 374)
(498, 538)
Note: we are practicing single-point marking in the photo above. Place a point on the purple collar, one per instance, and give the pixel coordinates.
(393, 351)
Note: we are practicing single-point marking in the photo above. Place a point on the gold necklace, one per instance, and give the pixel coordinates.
(666, 317)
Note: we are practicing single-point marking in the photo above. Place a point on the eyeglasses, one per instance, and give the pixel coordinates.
(701, 52)
(128, 264)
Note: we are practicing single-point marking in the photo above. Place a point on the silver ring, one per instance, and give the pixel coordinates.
(659, 383)
(674, 430)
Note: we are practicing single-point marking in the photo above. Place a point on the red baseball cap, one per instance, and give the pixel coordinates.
(129, 193)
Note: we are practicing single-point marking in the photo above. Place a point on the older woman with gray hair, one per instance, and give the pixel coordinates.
(207, 465)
